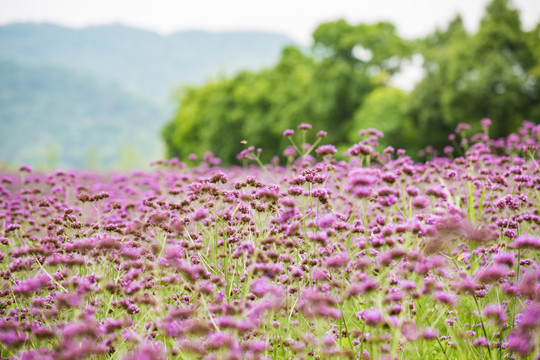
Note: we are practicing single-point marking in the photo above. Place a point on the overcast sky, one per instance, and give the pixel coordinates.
(295, 18)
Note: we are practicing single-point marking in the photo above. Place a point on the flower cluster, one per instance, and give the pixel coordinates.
(368, 256)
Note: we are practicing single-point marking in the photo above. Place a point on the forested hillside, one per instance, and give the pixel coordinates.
(56, 117)
(99, 96)
(138, 59)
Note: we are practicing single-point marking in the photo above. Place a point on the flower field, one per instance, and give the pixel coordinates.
(362, 255)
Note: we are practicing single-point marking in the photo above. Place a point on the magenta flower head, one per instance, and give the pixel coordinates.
(430, 333)
(324, 150)
(304, 127)
(148, 351)
(496, 312)
(288, 133)
(320, 274)
(262, 286)
(25, 168)
(482, 341)
(32, 285)
(420, 202)
(322, 134)
(521, 343)
(507, 258)
(371, 316)
(446, 298)
(289, 151)
(461, 127)
(338, 260)
(327, 221)
(486, 123)
(220, 339)
(200, 214)
(491, 273)
(526, 242)
(531, 317)
(528, 284)
(158, 217)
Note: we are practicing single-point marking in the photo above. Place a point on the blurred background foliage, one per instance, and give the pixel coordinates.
(343, 84)
(56, 118)
(100, 96)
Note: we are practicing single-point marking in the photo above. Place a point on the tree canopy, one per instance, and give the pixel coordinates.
(343, 85)
(473, 76)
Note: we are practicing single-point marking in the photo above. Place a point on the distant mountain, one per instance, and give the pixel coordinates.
(141, 60)
(100, 95)
(55, 117)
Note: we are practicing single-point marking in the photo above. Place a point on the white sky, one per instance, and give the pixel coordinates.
(295, 18)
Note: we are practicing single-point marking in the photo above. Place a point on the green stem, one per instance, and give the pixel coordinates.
(49, 275)
(483, 327)
(444, 352)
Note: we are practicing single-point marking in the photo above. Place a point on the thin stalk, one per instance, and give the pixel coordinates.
(444, 352)
(483, 327)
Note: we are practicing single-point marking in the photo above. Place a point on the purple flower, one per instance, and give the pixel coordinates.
(496, 312)
(11, 338)
(481, 342)
(288, 132)
(436, 191)
(531, 317)
(520, 343)
(369, 284)
(327, 221)
(338, 260)
(220, 339)
(320, 237)
(491, 273)
(304, 126)
(526, 242)
(148, 351)
(420, 202)
(324, 150)
(461, 127)
(158, 217)
(446, 298)
(371, 316)
(362, 177)
(32, 285)
(320, 274)
(486, 123)
(289, 151)
(429, 333)
(508, 259)
(257, 346)
(263, 286)
(528, 283)
(200, 214)
(25, 168)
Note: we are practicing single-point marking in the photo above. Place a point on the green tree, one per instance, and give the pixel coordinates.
(532, 84)
(384, 109)
(469, 77)
(256, 107)
(325, 88)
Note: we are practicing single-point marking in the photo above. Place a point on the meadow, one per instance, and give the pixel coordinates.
(361, 255)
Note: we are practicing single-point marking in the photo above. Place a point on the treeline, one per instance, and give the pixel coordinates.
(53, 117)
(98, 96)
(343, 85)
